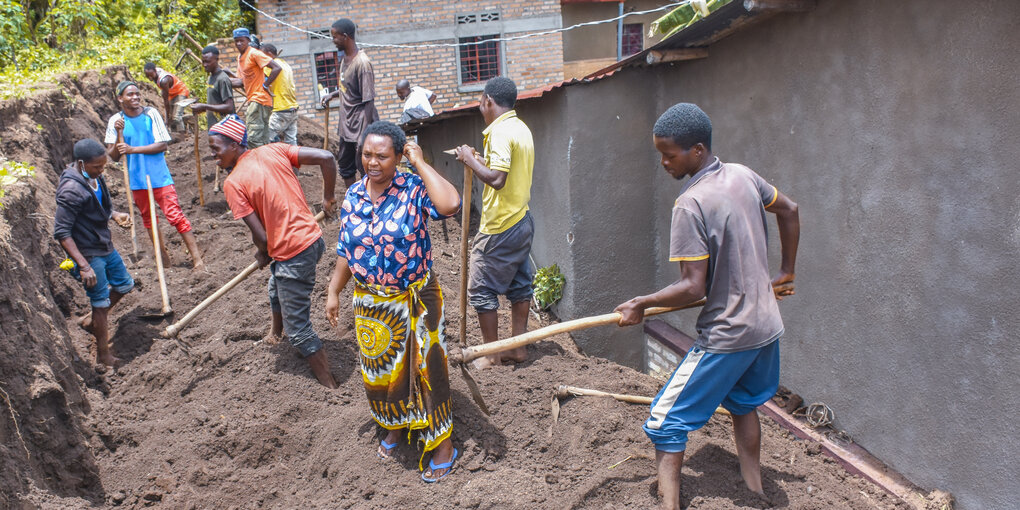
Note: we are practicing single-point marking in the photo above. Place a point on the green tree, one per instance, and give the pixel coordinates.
(68, 35)
(13, 32)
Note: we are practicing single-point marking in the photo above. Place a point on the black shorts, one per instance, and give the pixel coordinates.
(500, 266)
(348, 162)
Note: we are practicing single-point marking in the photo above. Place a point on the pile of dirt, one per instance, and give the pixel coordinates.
(234, 423)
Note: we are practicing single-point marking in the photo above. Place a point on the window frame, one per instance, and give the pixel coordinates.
(500, 63)
(315, 72)
(625, 35)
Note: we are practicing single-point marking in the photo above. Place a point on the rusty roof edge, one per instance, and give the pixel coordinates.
(527, 95)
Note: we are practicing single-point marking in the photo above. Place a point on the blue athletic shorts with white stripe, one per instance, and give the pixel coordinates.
(739, 381)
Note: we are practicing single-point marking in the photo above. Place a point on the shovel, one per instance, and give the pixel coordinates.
(465, 221)
(174, 329)
(563, 391)
(166, 311)
(130, 200)
(325, 141)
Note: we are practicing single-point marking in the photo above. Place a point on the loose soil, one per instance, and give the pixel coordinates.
(238, 424)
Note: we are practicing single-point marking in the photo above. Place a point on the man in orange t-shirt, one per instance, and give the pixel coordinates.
(251, 63)
(262, 189)
(173, 91)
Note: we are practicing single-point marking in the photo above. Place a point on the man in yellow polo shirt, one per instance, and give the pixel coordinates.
(283, 121)
(499, 255)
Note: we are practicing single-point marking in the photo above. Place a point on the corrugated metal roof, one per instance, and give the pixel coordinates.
(728, 19)
(469, 108)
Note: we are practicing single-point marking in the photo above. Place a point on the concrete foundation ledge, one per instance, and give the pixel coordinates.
(854, 458)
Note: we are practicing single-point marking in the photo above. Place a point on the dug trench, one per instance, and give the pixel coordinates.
(235, 423)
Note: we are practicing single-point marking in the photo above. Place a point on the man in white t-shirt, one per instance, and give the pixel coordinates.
(417, 101)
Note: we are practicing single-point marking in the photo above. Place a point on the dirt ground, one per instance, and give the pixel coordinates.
(236, 424)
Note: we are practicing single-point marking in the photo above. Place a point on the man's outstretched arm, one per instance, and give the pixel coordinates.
(327, 164)
(689, 288)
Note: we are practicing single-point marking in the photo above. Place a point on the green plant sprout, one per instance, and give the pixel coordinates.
(548, 286)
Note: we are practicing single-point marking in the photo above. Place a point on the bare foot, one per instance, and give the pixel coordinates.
(199, 266)
(85, 322)
(486, 362)
(109, 360)
(271, 338)
(518, 355)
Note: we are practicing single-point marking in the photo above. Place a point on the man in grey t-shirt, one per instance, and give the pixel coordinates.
(719, 238)
(219, 94)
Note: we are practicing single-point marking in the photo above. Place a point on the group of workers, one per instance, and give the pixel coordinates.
(718, 238)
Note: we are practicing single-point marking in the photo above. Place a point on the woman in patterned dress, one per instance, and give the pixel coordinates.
(384, 245)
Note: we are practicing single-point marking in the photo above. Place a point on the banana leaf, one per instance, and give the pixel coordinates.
(682, 17)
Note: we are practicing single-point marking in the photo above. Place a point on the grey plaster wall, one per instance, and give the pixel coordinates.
(895, 127)
(551, 187)
(591, 204)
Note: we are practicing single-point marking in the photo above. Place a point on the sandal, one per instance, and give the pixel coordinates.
(448, 466)
(386, 449)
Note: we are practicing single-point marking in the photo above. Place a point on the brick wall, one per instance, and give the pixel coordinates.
(660, 360)
(531, 62)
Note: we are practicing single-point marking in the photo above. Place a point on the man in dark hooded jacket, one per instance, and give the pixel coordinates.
(80, 225)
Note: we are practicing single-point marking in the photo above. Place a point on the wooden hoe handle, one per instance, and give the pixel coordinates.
(477, 351)
(158, 249)
(564, 391)
(465, 222)
(130, 199)
(175, 328)
(198, 166)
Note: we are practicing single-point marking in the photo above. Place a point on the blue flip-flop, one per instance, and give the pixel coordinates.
(448, 466)
(386, 446)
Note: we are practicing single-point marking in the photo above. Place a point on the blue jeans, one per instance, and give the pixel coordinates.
(290, 288)
(110, 273)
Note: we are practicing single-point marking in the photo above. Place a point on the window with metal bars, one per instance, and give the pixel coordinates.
(479, 62)
(326, 72)
(633, 38)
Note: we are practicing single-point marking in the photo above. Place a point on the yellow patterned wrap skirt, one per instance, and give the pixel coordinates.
(402, 343)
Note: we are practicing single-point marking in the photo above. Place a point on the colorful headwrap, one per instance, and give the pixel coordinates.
(231, 127)
(124, 85)
(242, 32)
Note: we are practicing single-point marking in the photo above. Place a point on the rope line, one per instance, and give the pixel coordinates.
(455, 45)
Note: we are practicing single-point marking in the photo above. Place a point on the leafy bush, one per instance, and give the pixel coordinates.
(548, 286)
(11, 172)
(683, 17)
